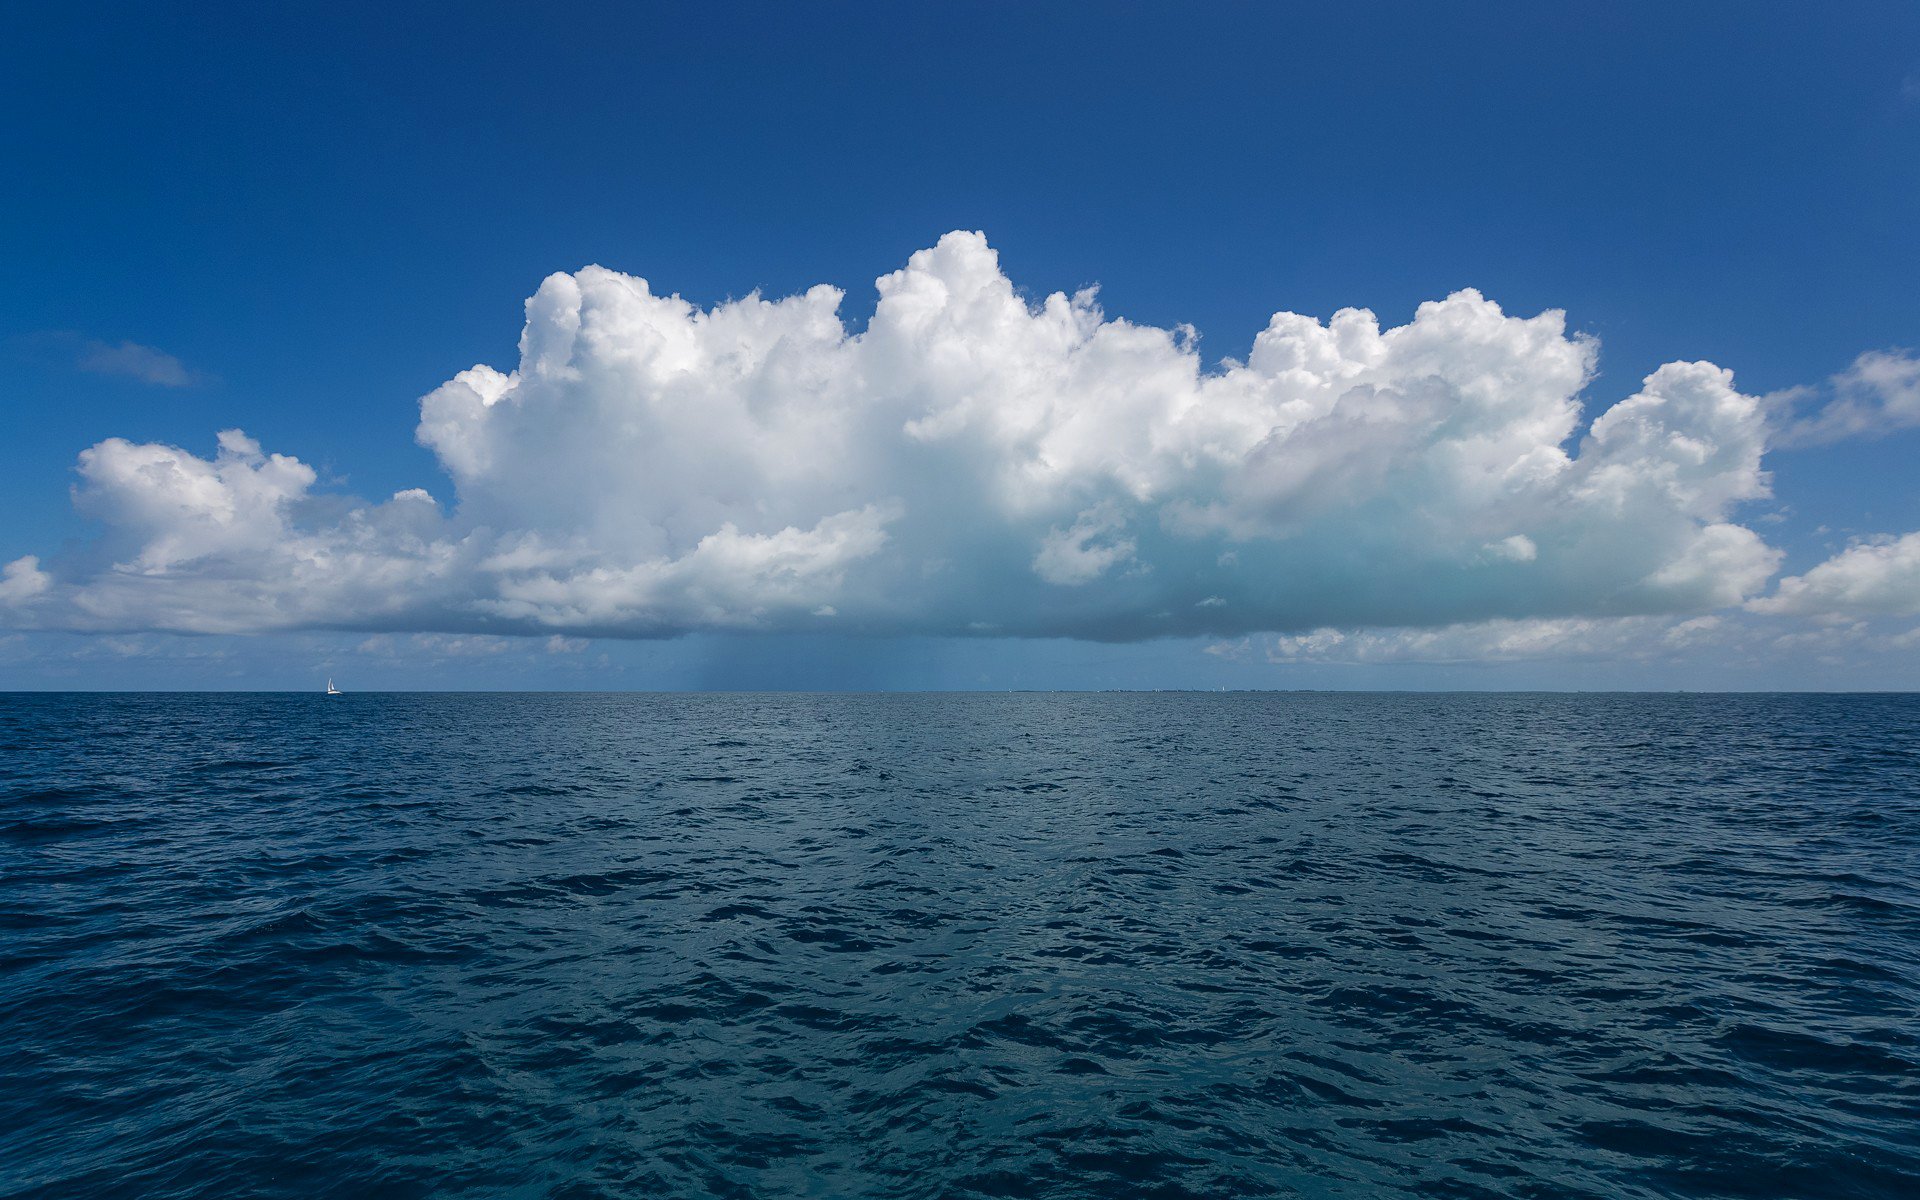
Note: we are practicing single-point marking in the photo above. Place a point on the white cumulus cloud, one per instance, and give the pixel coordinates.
(22, 580)
(1878, 577)
(974, 459)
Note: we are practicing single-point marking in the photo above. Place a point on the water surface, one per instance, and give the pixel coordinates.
(1146, 945)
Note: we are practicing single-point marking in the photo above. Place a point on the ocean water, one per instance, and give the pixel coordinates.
(1133, 945)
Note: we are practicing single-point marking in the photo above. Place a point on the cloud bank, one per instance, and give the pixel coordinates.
(972, 462)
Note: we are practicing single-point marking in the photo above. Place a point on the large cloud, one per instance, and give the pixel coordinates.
(971, 462)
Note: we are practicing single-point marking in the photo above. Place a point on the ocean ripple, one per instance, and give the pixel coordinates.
(1131, 945)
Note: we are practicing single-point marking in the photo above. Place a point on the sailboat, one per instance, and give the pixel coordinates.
(332, 690)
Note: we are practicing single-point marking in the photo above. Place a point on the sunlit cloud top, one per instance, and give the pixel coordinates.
(978, 461)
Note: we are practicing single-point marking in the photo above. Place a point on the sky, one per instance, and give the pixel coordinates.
(968, 346)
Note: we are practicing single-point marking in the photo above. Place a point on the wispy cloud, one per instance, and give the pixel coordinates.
(67, 348)
(135, 361)
(1879, 394)
(1499, 640)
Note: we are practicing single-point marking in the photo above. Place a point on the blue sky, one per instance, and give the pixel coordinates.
(299, 220)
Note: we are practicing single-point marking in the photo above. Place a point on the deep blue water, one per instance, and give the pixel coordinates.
(959, 945)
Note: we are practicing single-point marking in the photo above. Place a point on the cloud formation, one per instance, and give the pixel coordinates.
(1877, 395)
(971, 462)
(1495, 641)
(1879, 577)
(135, 361)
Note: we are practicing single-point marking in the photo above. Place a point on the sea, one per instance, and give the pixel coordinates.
(1134, 945)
